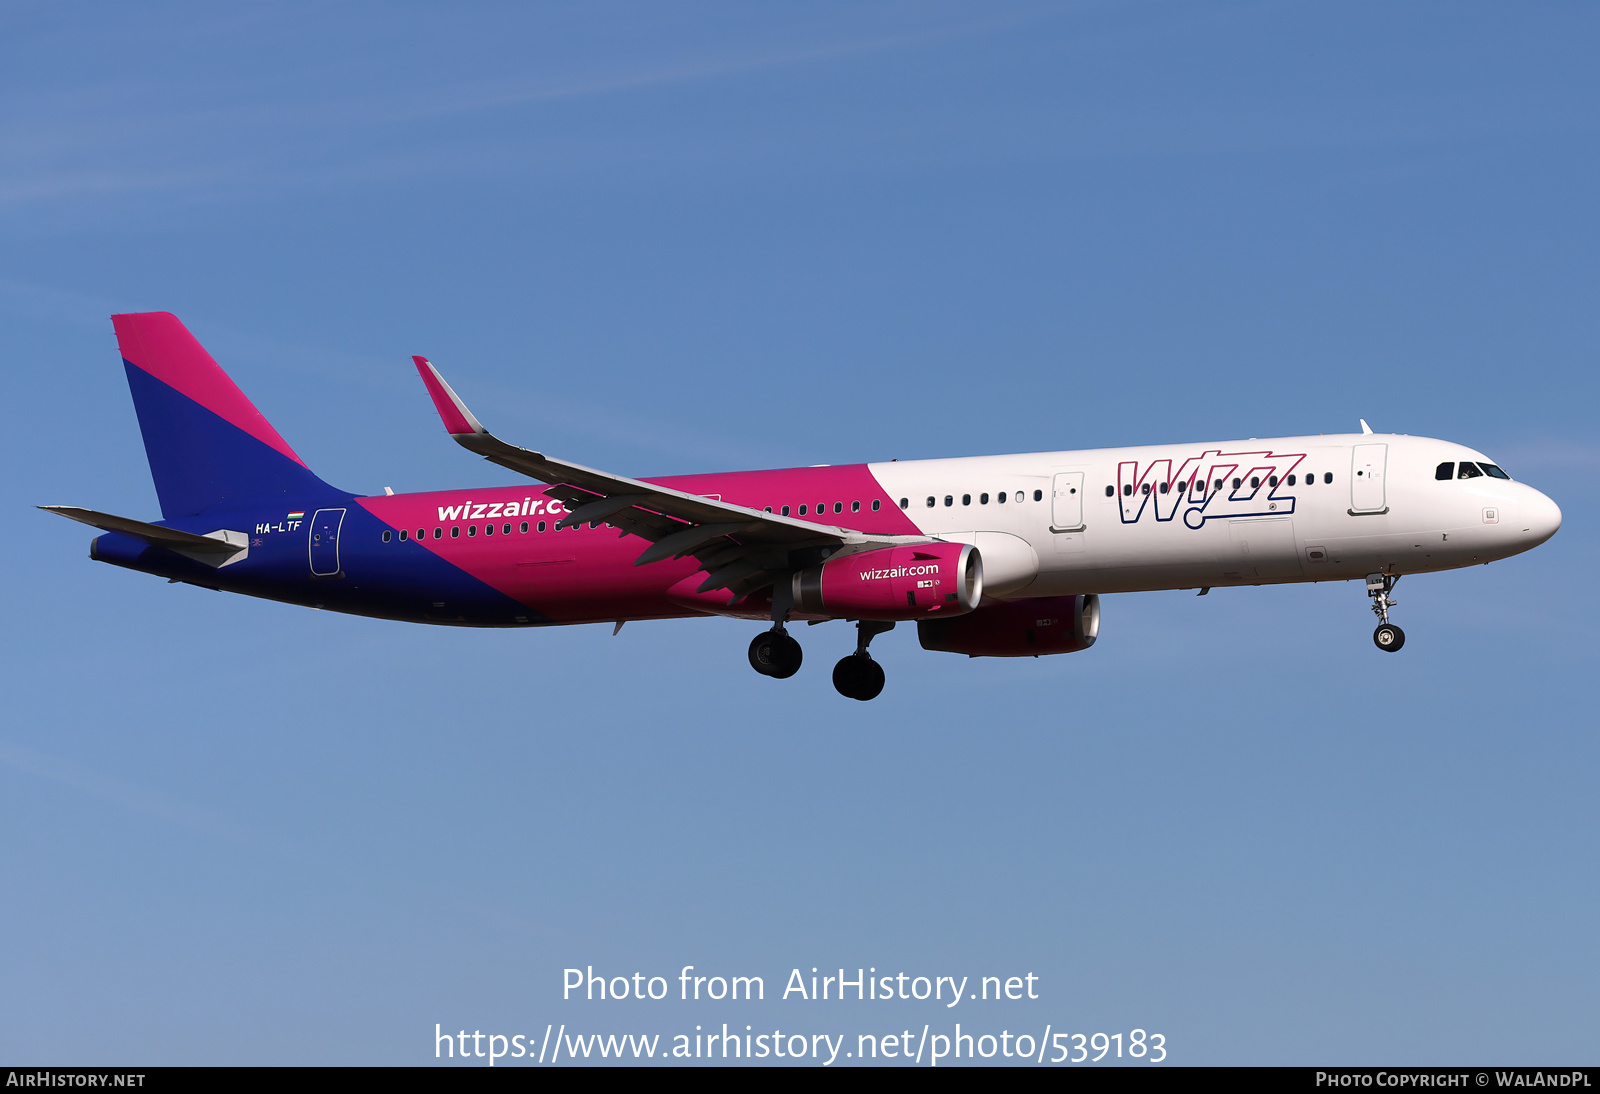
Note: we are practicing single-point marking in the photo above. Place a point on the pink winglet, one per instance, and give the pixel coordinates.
(162, 346)
(457, 418)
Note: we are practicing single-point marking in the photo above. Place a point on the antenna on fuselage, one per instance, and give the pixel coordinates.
(1365, 428)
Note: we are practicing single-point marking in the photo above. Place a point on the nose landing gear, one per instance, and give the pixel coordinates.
(1388, 637)
(859, 676)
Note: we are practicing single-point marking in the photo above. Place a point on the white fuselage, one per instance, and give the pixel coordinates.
(1288, 509)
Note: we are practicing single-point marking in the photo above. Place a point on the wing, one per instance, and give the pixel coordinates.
(741, 550)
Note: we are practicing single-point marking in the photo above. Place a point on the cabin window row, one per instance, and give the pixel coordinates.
(472, 531)
(822, 508)
(1000, 498)
(1199, 485)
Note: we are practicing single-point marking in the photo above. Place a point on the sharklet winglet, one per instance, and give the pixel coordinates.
(458, 420)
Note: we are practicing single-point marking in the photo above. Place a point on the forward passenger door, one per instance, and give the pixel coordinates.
(1367, 465)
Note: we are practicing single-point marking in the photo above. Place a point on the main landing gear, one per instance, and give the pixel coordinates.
(859, 676)
(775, 653)
(1388, 637)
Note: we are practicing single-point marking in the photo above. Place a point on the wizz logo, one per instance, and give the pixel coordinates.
(1208, 486)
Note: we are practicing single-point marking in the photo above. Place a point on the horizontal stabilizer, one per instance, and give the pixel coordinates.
(214, 549)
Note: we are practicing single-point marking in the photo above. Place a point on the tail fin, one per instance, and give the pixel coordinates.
(206, 442)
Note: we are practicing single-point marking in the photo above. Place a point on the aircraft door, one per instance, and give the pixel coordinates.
(1367, 465)
(325, 524)
(1066, 513)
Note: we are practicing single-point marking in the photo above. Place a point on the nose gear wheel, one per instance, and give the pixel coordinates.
(1388, 637)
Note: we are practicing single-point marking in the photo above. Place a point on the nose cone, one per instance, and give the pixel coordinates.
(1540, 518)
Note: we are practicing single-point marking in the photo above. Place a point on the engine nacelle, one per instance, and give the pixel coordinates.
(893, 583)
(1019, 628)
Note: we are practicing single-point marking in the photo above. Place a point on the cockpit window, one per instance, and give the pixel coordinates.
(1493, 472)
(1445, 471)
(1469, 471)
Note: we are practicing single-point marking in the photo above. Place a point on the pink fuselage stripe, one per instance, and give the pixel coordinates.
(584, 574)
(162, 346)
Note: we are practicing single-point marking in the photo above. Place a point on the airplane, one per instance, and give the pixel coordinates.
(990, 556)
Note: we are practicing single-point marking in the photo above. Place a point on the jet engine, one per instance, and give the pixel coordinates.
(1018, 628)
(893, 583)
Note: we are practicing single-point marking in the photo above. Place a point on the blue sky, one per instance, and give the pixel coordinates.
(706, 237)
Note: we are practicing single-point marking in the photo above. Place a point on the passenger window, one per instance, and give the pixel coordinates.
(1165, 487)
(1494, 472)
(949, 501)
(403, 535)
(930, 503)
(386, 537)
(455, 533)
(1000, 498)
(472, 530)
(768, 509)
(437, 532)
(1144, 488)
(1445, 471)
(541, 526)
(1255, 482)
(876, 505)
(855, 507)
(1111, 491)
(488, 529)
(524, 526)
(802, 510)
(1038, 495)
(1219, 484)
(966, 499)
(1127, 490)
(983, 499)
(905, 503)
(1272, 480)
(1327, 477)
(1237, 483)
(1468, 471)
(506, 530)
(785, 510)
(838, 507)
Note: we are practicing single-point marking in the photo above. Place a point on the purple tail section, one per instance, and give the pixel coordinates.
(208, 445)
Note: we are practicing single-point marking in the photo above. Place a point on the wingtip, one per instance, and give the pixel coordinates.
(458, 420)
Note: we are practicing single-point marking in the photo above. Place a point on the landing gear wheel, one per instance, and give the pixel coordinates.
(858, 677)
(1389, 638)
(775, 654)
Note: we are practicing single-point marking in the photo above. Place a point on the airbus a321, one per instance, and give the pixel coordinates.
(990, 556)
